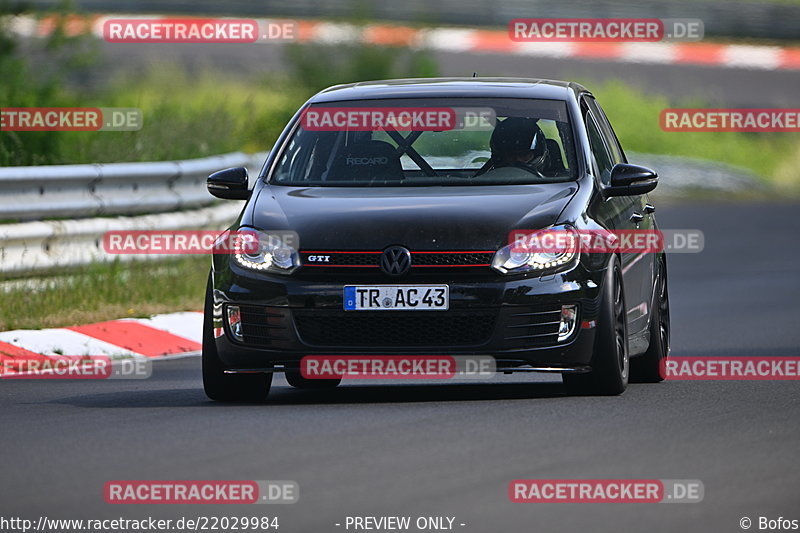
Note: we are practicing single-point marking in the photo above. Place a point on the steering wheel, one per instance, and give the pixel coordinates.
(490, 164)
(523, 166)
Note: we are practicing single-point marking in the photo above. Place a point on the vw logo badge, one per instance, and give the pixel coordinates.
(396, 260)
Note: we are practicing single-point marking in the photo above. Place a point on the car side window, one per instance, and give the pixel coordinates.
(617, 154)
(599, 150)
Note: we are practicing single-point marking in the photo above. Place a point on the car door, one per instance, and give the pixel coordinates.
(621, 213)
(643, 210)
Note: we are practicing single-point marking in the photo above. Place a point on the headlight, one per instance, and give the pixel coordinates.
(271, 253)
(546, 250)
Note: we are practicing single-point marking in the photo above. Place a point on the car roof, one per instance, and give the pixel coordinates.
(451, 87)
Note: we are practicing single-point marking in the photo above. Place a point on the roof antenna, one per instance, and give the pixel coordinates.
(474, 74)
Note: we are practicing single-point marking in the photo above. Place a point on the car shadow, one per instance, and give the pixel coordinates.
(416, 393)
(344, 394)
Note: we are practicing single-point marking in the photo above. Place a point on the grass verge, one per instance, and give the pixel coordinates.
(775, 157)
(105, 291)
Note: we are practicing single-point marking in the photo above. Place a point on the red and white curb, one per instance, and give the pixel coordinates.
(469, 40)
(162, 336)
(498, 42)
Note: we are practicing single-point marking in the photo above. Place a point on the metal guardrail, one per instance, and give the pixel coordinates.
(79, 191)
(33, 247)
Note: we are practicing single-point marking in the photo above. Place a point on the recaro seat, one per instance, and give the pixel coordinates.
(366, 161)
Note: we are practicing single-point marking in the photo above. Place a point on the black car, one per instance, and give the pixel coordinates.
(411, 189)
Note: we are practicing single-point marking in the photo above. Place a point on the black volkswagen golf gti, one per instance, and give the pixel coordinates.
(385, 216)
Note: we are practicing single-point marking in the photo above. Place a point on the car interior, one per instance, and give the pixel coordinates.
(389, 157)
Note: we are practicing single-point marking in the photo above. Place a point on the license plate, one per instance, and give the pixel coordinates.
(396, 298)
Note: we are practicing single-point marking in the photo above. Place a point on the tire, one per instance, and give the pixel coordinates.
(610, 360)
(649, 367)
(218, 385)
(297, 381)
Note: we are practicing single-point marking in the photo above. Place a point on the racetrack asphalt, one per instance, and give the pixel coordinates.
(444, 449)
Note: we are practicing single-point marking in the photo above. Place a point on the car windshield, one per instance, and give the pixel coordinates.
(429, 142)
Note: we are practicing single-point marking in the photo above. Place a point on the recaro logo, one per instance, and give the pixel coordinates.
(319, 259)
(367, 160)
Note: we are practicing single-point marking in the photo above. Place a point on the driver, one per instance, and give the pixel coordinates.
(518, 142)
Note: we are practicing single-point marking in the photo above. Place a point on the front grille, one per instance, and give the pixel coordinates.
(451, 259)
(389, 329)
(264, 326)
(344, 259)
(532, 326)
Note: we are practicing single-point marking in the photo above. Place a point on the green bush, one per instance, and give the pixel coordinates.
(23, 86)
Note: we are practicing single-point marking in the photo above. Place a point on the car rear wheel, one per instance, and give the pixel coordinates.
(218, 385)
(296, 380)
(649, 367)
(610, 361)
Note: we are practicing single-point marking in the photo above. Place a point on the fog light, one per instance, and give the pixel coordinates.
(235, 322)
(569, 319)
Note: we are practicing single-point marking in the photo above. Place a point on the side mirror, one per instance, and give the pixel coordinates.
(229, 184)
(631, 180)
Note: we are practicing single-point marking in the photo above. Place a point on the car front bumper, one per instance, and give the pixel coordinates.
(285, 318)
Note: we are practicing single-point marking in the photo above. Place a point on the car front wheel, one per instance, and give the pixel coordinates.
(218, 385)
(610, 360)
